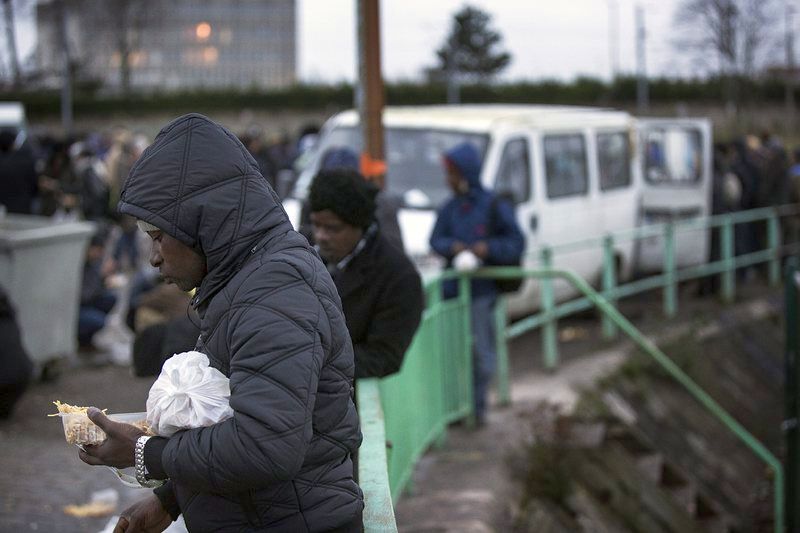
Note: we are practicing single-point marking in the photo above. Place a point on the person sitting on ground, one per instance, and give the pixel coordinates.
(380, 288)
(97, 300)
(16, 367)
(165, 324)
(271, 321)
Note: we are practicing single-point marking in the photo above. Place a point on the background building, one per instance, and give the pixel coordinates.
(169, 44)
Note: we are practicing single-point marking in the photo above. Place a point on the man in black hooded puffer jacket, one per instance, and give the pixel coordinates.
(271, 320)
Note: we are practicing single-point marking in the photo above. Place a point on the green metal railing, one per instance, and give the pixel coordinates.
(434, 386)
(372, 473)
(648, 347)
(791, 424)
(670, 233)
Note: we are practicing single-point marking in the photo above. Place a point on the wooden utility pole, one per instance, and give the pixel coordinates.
(370, 96)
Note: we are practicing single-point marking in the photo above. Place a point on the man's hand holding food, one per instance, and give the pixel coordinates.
(119, 447)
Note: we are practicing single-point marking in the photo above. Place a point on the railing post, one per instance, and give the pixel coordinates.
(609, 284)
(550, 327)
(501, 347)
(774, 243)
(465, 299)
(792, 404)
(729, 274)
(670, 283)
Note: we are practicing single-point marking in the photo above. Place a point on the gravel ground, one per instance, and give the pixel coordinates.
(39, 472)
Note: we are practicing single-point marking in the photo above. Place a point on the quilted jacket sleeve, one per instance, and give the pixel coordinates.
(274, 329)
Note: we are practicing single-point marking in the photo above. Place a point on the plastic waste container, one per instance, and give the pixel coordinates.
(41, 268)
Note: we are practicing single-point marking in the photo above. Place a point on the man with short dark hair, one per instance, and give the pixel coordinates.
(271, 321)
(380, 288)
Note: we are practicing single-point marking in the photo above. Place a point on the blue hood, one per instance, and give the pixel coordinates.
(465, 158)
(340, 157)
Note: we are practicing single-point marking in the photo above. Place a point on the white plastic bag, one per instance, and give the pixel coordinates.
(466, 261)
(188, 394)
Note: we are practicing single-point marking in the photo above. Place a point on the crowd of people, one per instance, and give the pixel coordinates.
(753, 171)
(290, 320)
(81, 178)
(212, 263)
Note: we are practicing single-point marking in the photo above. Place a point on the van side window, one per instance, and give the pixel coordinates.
(565, 165)
(673, 156)
(613, 158)
(513, 178)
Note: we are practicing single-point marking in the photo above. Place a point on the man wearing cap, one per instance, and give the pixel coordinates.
(380, 288)
(474, 228)
(271, 321)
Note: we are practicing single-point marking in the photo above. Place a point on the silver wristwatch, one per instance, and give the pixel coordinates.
(140, 468)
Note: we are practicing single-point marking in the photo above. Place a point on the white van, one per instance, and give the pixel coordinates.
(676, 168)
(572, 172)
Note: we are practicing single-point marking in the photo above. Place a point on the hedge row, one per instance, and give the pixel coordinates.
(586, 91)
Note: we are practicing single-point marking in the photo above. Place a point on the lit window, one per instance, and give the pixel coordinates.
(210, 55)
(203, 31)
(137, 59)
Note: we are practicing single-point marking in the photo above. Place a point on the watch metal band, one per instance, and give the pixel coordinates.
(139, 467)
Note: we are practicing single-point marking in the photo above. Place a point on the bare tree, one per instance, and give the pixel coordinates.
(126, 19)
(11, 40)
(736, 32)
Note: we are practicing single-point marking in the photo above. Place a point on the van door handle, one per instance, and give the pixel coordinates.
(533, 223)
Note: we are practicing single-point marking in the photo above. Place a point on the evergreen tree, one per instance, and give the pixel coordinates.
(472, 49)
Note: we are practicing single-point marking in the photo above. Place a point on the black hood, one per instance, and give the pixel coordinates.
(199, 184)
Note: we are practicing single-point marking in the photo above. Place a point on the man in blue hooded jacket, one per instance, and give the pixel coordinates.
(474, 222)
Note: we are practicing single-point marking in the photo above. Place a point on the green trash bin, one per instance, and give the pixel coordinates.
(41, 268)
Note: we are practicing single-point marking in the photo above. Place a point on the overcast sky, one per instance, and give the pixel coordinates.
(546, 38)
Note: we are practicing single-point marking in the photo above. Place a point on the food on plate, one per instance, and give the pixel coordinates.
(78, 429)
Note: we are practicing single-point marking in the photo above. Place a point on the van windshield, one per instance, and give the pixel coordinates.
(414, 161)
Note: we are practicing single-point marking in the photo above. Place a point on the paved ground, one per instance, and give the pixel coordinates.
(462, 487)
(466, 486)
(39, 472)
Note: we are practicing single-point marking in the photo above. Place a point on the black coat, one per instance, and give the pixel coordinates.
(382, 298)
(18, 180)
(270, 320)
(15, 365)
